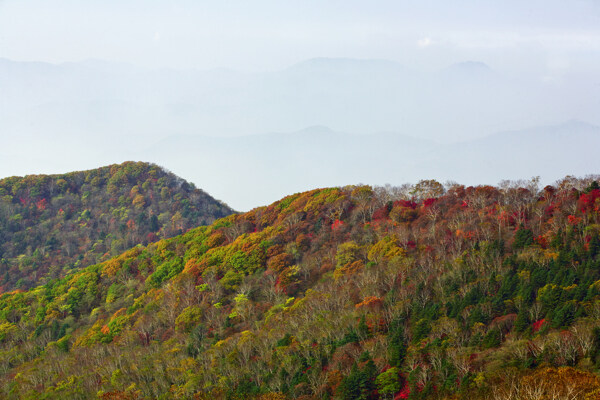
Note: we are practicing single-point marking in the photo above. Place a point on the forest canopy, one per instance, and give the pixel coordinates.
(422, 291)
(51, 224)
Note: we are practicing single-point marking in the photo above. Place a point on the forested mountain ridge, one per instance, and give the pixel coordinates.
(50, 224)
(422, 292)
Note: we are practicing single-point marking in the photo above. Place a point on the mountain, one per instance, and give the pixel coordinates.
(320, 156)
(78, 112)
(52, 224)
(62, 107)
(344, 68)
(468, 70)
(538, 151)
(278, 163)
(421, 291)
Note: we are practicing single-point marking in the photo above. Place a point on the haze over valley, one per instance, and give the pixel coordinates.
(320, 122)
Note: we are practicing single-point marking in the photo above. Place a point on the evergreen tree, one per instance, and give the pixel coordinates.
(522, 321)
(523, 238)
(359, 384)
(396, 346)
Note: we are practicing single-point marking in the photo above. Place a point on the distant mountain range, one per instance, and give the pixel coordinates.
(465, 100)
(204, 124)
(252, 170)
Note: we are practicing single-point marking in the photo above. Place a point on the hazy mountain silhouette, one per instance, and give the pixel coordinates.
(94, 97)
(251, 170)
(202, 124)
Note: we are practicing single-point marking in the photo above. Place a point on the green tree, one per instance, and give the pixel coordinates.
(389, 382)
(359, 384)
(523, 238)
(492, 339)
(396, 345)
(522, 321)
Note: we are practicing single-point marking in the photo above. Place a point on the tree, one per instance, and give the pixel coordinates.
(523, 238)
(389, 382)
(522, 322)
(428, 188)
(396, 345)
(359, 384)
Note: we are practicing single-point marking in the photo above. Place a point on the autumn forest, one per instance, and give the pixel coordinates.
(126, 282)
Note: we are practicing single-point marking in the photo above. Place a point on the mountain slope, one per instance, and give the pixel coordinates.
(353, 293)
(50, 224)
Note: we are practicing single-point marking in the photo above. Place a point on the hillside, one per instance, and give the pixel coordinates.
(51, 224)
(420, 292)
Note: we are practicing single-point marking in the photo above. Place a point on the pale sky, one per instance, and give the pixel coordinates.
(512, 35)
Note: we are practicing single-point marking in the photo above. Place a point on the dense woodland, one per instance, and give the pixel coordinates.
(418, 292)
(52, 224)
